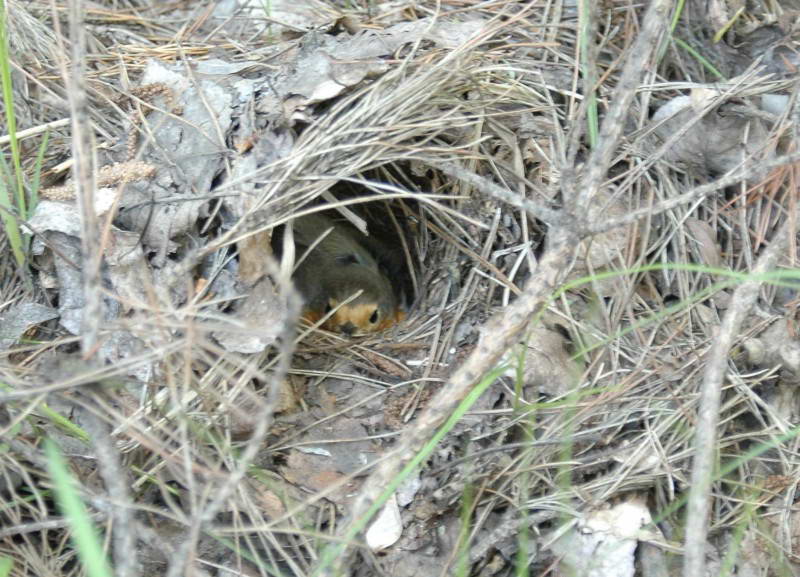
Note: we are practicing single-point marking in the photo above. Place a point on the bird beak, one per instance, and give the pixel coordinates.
(348, 328)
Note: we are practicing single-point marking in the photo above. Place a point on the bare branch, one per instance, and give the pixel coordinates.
(705, 438)
(504, 329)
(84, 178)
(639, 59)
(744, 172)
(114, 477)
(550, 216)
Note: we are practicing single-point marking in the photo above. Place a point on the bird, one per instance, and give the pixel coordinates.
(340, 278)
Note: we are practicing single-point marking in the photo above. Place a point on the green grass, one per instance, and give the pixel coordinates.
(701, 59)
(462, 547)
(63, 423)
(785, 277)
(684, 46)
(56, 418)
(15, 203)
(85, 537)
(7, 186)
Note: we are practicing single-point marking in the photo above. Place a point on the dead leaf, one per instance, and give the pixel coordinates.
(604, 542)
(170, 206)
(387, 365)
(252, 257)
(276, 496)
(716, 142)
(128, 270)
(312, 473)
(63, 216)
(328, 454)
(704, 242)
(776, 346)
(548, 367)
(21, 318)
(387, 527)
(257, 322)
(607, 250)
(285, 16)
(325, 66)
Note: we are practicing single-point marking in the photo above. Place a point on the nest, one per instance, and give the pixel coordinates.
(561, 302)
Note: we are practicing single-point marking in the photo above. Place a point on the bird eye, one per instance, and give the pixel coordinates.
(328, 308)
(374, 318)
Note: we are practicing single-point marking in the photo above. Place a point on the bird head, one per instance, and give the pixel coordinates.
(374, 309)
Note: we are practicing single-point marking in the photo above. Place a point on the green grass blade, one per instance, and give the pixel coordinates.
(11, 119)
(10, 224)
(701, 59)
(85, 538)
(6, 565)
(683, 45)
(64, 423)
(15, 183)
(750, 455)
(676, 16)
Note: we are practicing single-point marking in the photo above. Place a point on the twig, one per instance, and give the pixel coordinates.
(123, 539)
(84, 178)
(263, 422)
(587, 58)
(639, 59)
(509, 526)
(34, 130)
(503, 330)
(550, 216)
(36, 527)
(743, 172)
(705, 438)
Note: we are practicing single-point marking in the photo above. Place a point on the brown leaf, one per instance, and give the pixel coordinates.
(704, 242)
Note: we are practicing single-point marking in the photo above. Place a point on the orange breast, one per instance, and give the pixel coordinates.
(332, 323)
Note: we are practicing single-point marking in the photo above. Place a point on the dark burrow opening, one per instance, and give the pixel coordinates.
(354, 260)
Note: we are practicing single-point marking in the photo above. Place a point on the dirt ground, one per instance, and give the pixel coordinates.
(585, 212)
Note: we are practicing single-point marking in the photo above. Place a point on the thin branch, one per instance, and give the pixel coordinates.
(640, 58)
(84, 178)
(263, 420)
(115, 480)
(705, 439)
(749, 171)
(48, 525)
(504, 329)
(550, 216)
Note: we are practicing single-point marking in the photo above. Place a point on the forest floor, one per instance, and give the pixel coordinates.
(587, 215)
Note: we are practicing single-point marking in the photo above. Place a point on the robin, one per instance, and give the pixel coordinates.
(339, 275)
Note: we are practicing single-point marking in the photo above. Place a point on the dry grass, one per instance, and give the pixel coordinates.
(612, 283)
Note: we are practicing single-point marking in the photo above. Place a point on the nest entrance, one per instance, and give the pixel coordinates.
(364, 249)
(446, 258)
